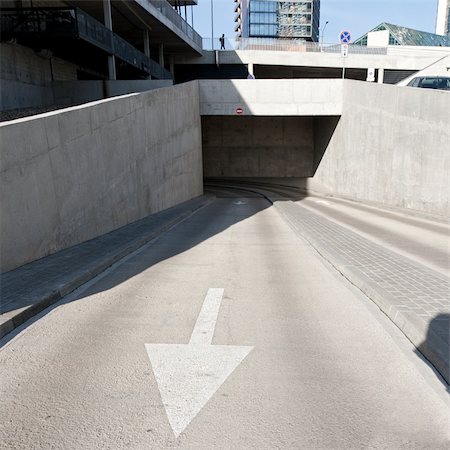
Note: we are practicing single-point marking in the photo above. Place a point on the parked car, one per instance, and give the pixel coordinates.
(442, 83)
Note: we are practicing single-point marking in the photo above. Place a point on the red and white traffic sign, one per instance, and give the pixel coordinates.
(239, 111)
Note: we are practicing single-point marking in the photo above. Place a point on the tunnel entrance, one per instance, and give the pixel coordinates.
(265, 146)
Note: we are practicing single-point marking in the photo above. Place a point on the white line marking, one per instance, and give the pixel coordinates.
(206, 322)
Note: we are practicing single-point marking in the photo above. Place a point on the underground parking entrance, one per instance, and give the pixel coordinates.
(279, 148)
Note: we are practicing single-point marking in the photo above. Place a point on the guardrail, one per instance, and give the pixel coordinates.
(292, 45)
(167, 10)
(287, 45)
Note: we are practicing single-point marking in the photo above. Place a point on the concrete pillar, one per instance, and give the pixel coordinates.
(161, 54)
(380, 76)
(107, 18)
(147, 47)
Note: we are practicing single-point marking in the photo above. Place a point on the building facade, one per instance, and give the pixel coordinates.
(294, 19)
(59, 53)
(389, 34)
(104, 39)
(443, 17)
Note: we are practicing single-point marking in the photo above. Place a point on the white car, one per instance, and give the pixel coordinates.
(431, 82)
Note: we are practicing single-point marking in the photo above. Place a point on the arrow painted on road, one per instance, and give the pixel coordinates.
(188, 375)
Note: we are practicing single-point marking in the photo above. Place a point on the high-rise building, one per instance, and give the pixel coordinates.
(443, 17)
(293, 19)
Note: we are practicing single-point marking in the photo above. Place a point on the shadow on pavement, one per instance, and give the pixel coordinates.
(436, 347)
(197, 228)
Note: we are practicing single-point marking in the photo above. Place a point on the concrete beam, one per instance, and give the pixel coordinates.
(290, 97)
(396, 58)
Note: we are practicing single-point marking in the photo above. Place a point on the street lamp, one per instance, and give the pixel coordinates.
(321, 35)
(212, 26)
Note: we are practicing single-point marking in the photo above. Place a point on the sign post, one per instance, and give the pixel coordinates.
(345, 37)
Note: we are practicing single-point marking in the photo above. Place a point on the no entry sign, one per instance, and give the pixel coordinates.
(239, 111)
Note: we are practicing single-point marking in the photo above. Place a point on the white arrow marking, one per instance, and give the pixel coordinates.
(239, 203)
(188, 375)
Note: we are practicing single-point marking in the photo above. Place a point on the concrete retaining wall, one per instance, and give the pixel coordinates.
(31, 80)
(82, 91)
(271, 97)
(71, 175)
(391, 146)
(257, 146)
(25, 77)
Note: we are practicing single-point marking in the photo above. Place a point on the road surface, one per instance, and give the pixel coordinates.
(228, 331)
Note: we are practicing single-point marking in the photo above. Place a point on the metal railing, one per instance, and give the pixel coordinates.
(51, 21)
(287, 45)
(293, 45)
(93, 31)
(167, 10)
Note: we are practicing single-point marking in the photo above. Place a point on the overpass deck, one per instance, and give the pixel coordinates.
(391, 58)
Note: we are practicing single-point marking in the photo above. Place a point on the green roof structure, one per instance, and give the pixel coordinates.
(407, 36)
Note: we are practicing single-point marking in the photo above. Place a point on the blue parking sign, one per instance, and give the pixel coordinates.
(345, 37)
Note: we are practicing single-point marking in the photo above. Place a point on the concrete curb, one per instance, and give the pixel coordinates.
(431, 347)
(413, 330)
(20, 316)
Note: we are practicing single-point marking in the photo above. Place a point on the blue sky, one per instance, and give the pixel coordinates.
(358, 16)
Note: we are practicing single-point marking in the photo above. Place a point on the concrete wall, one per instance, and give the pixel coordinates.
(83, 91)
(372, 142)
(271, 97)
(391, 146)
(257, 146)
(30, 80)
(25, 77)
(71, 175)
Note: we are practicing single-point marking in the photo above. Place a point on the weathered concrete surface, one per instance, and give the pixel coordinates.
(83, 91)
(271, 97)
(26, 77)
(71, 175)
(257, 146)
(390, 147)
(30, 80)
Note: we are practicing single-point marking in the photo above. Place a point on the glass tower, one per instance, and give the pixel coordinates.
(293, 19)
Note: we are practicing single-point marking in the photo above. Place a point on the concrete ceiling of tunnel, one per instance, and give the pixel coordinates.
(129, 21)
